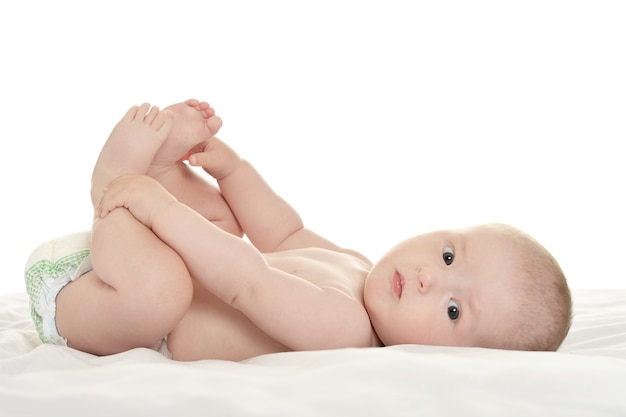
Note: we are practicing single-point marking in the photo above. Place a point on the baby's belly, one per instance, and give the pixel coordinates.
(213, 330)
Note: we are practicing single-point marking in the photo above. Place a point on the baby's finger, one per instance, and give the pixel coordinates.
(102, 209)
(200, 159)
(110, 200)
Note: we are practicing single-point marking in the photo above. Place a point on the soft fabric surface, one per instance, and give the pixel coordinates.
(586, 378)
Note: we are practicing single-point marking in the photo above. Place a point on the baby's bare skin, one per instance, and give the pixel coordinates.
(129, 149)
(98, 313)
(195, 123)
(287, 288)
(306, 295)
(213, 329)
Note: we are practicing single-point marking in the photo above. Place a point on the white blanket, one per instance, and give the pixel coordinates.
(587, 377)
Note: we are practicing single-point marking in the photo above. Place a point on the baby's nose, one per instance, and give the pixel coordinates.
(426, 279)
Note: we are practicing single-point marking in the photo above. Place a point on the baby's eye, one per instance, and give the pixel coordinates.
(448, 255)
(454, 311)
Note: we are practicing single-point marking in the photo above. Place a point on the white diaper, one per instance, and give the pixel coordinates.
(49, 268)
(161, 347)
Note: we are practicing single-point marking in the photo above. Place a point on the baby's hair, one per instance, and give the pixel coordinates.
(545, 303)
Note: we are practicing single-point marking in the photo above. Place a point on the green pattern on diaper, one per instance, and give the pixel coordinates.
(41, 275)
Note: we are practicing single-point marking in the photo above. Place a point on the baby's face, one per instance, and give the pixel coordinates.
(448, 288)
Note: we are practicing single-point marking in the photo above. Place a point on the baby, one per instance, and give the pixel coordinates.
(167, 262)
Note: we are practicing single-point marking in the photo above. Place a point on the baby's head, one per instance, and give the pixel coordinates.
(485, 286)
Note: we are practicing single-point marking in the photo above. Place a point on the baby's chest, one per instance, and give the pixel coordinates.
(323, 268)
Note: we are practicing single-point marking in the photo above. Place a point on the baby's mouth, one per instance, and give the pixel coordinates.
(397, 283)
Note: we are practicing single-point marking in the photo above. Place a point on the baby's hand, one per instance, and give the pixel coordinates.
(217, 159)
(141, 195)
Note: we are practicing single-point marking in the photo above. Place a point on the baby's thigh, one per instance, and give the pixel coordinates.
(96, 318)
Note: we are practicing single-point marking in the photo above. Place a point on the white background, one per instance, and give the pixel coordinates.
(376, 120)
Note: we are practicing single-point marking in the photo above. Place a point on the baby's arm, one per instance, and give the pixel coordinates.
(289, 309)
(267, 219)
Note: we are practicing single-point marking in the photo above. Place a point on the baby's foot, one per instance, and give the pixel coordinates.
(195, 123)
(131, 146)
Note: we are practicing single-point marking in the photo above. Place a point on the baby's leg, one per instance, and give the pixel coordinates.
(195, 123)
(139, 287)
(130, 146)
